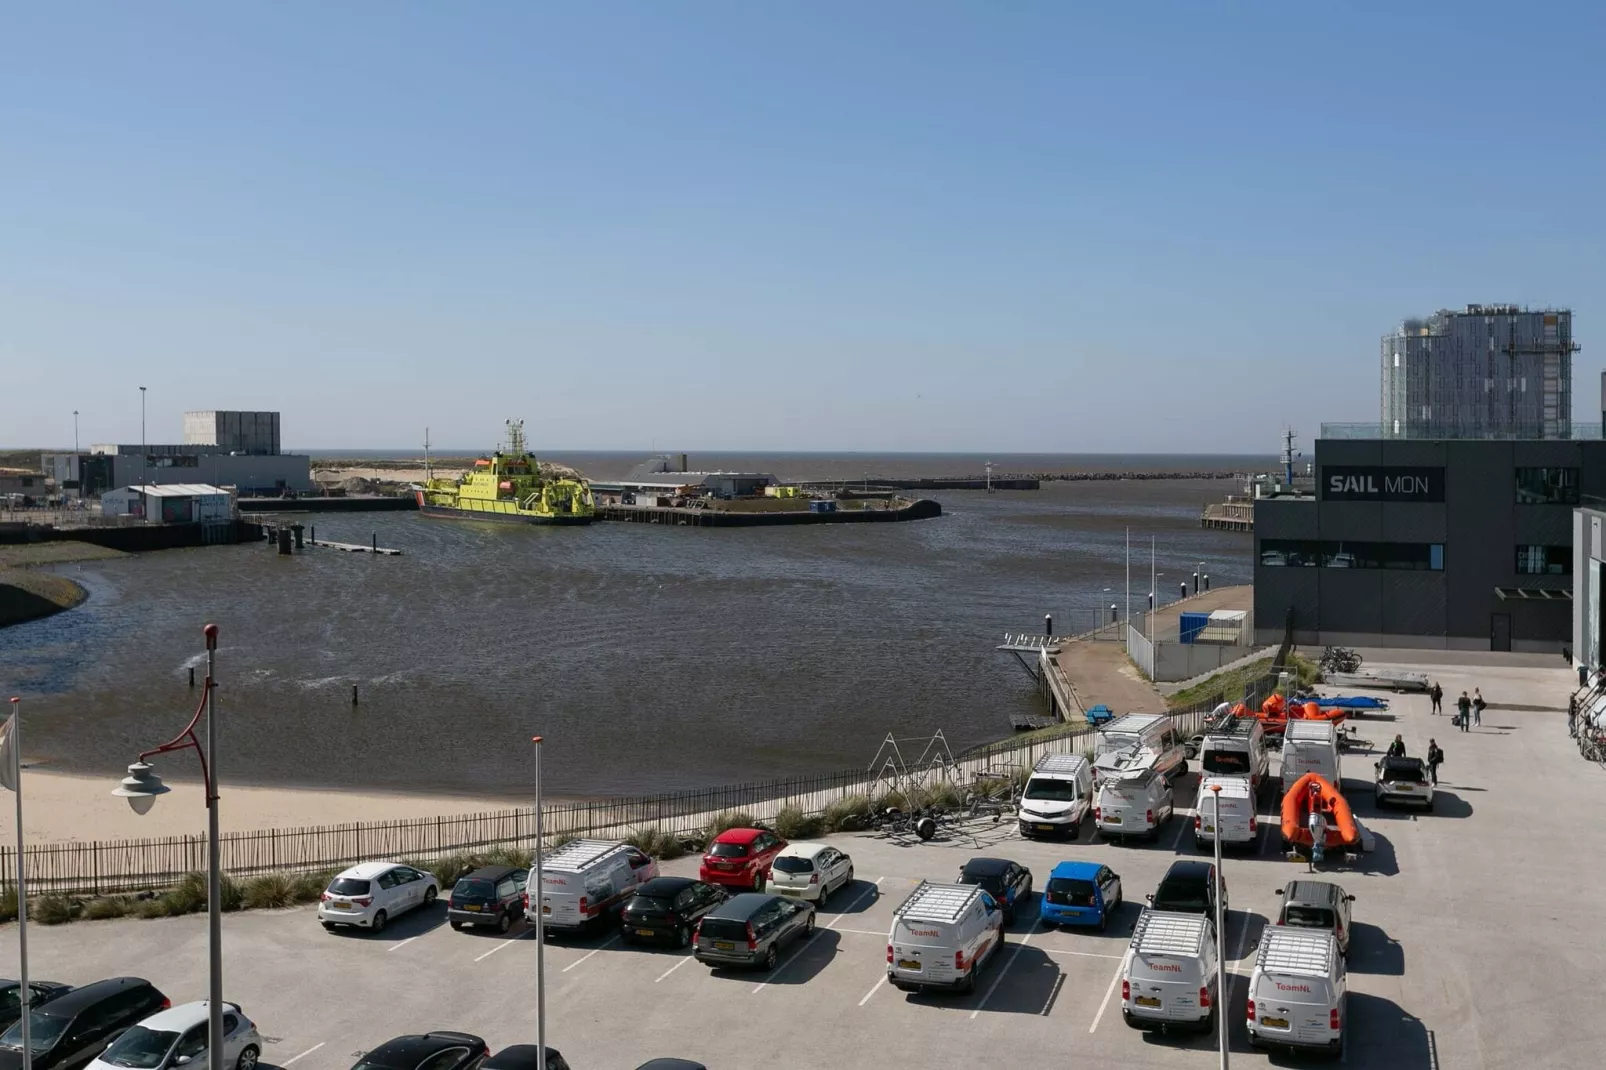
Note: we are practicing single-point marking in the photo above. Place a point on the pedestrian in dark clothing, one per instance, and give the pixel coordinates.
(1477, 707)
(1464, 716)
(1397, 748)
(1572, 715)
(1437, 695)
(1435, 759)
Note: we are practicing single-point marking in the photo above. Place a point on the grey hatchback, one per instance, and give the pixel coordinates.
(750, 930)
(1317, 905)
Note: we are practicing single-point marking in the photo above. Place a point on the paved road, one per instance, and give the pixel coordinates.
(1470, 922)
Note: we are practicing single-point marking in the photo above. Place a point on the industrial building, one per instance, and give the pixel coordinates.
(1491, 371)
(170, 503)
(233, 432)
(1458, 543)
(664, 477)
(223, 448)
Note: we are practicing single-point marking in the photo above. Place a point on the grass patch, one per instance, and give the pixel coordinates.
(270, 891)
(730, 819)
(106, 907)
(793, 824)
(851, 813)
(655, 842)
(52, 910)
(8, 904)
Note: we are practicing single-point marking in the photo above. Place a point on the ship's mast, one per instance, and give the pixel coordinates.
(429, 472)
(515, 437)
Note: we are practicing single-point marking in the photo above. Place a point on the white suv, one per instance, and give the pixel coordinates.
(177, 1037)
(369, 895)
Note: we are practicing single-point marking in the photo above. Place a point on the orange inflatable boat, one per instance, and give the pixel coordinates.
(1309, 790)
(1311, 711)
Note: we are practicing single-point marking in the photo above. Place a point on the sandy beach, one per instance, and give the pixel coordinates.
(59, 807)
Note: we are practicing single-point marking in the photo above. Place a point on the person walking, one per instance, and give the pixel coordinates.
(1435, 759)
(1437, 695)
(1572, 716)
(1477, 707)
(1464, 715)
(1397, 748)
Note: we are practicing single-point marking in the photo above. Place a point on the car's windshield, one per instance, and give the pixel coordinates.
(45, 1030)
(475, 889)
(1306, 917)
(1188, 896)
(141, 1048)
(788, 864)
(728, 850)
(1051, 790)
(1068, 891)
(1225, 761)
(348, 886)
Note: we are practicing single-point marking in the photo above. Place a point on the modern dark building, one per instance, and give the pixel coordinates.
(1461, 544)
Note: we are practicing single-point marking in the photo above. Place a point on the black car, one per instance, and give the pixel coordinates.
(76, 1026)
(671, 1064)
(440, 1050)
(1190, 888)
(11, 997)
(668, 908)
(491, 895)
(522, 1057)
(1008, 882)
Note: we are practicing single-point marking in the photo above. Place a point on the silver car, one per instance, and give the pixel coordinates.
(176, 1037)
(751, 929)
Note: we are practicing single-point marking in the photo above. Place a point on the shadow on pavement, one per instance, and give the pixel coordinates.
(1383, 1034)
(1027, 979)
(855, 898)
(1371, 950)
(415, 922)
(800, 961)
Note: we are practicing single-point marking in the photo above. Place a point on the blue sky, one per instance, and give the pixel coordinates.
(706, 225)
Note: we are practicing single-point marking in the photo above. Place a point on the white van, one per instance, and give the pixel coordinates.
(586, 881)
(1168, 977)
(1236, 746)
(1147, 731)
(1311, 747)
(1133, 801)
(1297, 993)
(1058, 796)
(1237, 822)
(942, 935)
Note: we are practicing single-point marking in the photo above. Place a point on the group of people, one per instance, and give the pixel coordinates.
(1435, 756)
(1469, 710)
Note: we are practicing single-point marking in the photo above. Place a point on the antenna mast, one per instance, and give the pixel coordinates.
(515, 437)
(429, 472)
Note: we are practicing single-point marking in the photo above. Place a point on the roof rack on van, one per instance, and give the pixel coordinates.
(1131, 763)
(1232, 727)
(1131, 723)
(1291, 950)
(938, 902)
(1059, 763)
(578, 854)
(1160, 932)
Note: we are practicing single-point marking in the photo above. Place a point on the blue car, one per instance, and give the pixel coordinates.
(1081, 893)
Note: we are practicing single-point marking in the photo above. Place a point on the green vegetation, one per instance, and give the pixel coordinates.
(729, 819)
(51, 910)
(793, 824)
(851, 813)
(111, 906)
(655, 841)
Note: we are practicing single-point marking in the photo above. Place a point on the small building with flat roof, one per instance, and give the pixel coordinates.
(170, 503)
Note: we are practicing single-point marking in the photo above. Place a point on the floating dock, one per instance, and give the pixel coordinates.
(709, 517)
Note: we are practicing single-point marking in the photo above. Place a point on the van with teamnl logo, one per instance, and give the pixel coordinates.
(1168, 977)
(1298, 993)
(942, 935)
(586, 883)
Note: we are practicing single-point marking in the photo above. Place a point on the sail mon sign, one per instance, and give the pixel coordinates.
(1344, 483)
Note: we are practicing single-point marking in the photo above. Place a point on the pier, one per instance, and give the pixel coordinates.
(1234, 514)
(714, 517)
(290, 538)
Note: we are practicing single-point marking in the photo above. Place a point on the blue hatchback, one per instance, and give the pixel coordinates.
(1081, 893)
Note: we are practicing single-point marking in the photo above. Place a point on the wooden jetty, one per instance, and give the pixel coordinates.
(357, 548)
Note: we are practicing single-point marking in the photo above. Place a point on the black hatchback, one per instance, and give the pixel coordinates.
(668, 908)
(76, 1026)
(1190, 888)
(438, 1050)
(491, 895)
(523, 1057)
(11, 997)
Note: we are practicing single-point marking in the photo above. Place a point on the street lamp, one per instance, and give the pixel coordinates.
(142, 786)
(1221, 934)
(540, 924)
(143, 449)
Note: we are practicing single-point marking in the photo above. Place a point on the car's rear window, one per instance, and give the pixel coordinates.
(474, 889)
(1068, 891)
(348, 886)
(1306, 917)
(787, 864)
(649, 904)
(1225, 761)
(1396, 770)
(1182, 895)
(728, 850)
(724, 929)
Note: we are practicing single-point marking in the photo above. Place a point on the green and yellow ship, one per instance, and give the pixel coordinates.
(508, 486)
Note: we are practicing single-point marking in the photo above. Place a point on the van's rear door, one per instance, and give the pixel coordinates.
(1165, 986)
(1293, 1008)
(923, 952)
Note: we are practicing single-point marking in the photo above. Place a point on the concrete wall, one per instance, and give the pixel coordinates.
(249, 473)
(1479, 523)
(1170, 662)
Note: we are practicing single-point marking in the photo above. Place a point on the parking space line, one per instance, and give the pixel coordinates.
(1079, 954)
(1183, 826)
(1243, 934)
(1014, 954)
(860, 932)
(504, 943)
(588, 954)
(304, 1054)
(879, 982)
(1053, 994)
(876, 887)
(683, 960)
(1108, 992)
(402, 943)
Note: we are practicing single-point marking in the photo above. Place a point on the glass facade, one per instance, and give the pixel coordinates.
(1544, 560)
(1547, 486)
(1308, 553)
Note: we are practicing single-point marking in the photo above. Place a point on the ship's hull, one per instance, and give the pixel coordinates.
(502, 516)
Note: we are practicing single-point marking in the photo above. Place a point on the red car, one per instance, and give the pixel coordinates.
(740, 858)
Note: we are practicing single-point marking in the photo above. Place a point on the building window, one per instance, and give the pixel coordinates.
(1300, 553)
(1544, 560)
(1547, 486)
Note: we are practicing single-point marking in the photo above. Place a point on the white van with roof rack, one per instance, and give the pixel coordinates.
(1229, 813)
(942, 935)
(1148, 731)
(1298, 992)
(1311, 747)
(1236, 746)
(584, 882)
(1057, 797)
(1134, 799)
(1168, 976)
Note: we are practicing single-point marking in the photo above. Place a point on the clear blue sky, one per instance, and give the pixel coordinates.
(701, 225)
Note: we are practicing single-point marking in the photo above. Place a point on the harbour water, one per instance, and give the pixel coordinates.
(650, 658)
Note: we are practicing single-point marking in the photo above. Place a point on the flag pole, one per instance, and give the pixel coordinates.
(23, 991)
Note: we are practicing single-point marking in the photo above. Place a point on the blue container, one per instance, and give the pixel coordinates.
(822, 506)
(1191, 624)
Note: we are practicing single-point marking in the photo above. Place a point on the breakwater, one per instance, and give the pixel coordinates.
(707, 517)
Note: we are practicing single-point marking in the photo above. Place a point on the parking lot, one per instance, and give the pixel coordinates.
(1470, 922)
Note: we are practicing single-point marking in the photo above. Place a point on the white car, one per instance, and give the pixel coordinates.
(369, 895)
(810, 871)
(1404, 780)
(177, 1037)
